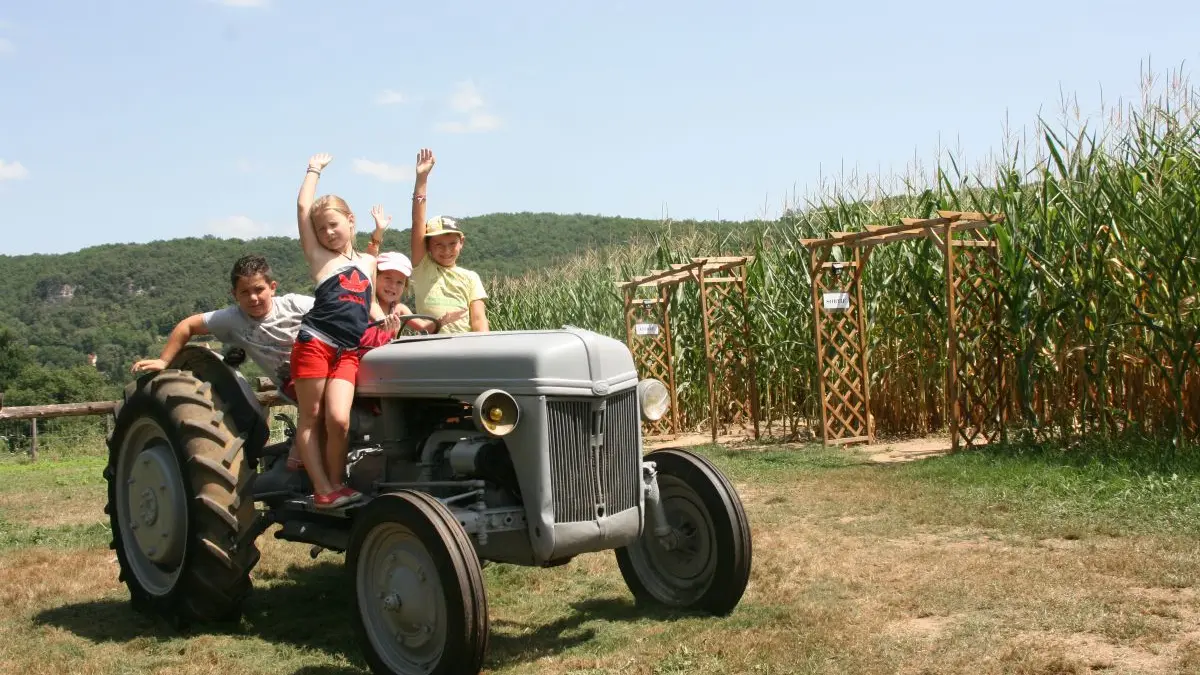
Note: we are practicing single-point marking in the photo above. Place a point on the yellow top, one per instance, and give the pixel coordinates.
(444, 289)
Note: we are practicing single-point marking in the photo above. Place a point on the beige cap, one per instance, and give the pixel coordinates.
(442, 225)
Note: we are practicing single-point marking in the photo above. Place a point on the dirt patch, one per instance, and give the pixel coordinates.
(1095, 653)
(1060, 544)
(688, 440)
(1182, 596)
(881, 451)
(907, 451)
(923, 627)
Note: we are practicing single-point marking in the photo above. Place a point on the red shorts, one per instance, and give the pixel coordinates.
(316, 360)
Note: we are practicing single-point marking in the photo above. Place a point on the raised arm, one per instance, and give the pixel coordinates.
(304, 202)
(184, 330)
(382, 220)
(425, 162)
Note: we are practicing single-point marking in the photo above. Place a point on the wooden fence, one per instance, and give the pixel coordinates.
(33, 413)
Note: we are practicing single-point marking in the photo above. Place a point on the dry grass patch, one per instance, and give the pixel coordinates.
(53, 509)
(858, 568)
(38, 577)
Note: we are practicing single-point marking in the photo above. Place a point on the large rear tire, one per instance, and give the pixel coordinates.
(420, 604)
(183, 524)
(707, 566)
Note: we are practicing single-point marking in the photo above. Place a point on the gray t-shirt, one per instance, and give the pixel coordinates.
(267, 341)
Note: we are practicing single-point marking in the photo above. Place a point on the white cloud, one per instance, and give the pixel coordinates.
(388, 173)
(12, 170)
(243, 3)
(240, 227)
(390, 97)
(476, 123)
(466, 97)
(7, 46)
(467, 100)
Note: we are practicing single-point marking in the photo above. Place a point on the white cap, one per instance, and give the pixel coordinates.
(394, 260)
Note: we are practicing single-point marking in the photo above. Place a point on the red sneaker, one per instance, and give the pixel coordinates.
(332, 500)
(350, 493)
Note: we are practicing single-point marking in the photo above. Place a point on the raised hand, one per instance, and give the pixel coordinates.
(320, 160)
(382, 220)
(425, 162)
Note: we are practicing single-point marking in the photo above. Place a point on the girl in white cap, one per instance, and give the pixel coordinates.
(391, 278)
(391, 281)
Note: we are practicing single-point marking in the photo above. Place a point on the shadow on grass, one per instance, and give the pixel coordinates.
(311, 608)
(1130, 455)
(514, 642)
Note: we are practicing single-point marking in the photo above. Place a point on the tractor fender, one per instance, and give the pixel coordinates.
(237, 397)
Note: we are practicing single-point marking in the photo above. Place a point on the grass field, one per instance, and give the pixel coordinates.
(1010, 562)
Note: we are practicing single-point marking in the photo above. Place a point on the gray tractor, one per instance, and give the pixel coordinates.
(520, 447)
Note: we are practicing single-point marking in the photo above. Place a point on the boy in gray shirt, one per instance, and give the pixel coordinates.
(267, 339)
(263, 324)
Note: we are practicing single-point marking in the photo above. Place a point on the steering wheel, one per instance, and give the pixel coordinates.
(404, 324)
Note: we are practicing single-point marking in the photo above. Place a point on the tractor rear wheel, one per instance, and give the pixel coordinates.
(182, 520)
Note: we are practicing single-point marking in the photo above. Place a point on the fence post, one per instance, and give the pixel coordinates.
(33, 442)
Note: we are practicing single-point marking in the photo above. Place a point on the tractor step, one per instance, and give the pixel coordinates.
(305, 504)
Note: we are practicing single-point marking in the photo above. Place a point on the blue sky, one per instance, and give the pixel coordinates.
(152, 119)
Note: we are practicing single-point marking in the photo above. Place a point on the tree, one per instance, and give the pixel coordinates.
(41, 385)
(14, 357)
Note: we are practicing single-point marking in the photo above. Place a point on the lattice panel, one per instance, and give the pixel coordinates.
(978, 375)
(651, 352)
(730, 352)
(840, 352)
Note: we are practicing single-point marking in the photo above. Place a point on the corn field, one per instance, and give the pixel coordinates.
(1099, 259)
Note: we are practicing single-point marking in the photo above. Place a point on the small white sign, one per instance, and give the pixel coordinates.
(836, 302)
(646, 329)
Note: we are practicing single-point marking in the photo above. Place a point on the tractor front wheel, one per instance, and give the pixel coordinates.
(705, 561)
(419, 599)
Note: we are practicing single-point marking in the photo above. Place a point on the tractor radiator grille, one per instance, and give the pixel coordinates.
(595, 459)
(622, 462)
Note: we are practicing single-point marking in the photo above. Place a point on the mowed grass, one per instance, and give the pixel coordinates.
(1005, 562)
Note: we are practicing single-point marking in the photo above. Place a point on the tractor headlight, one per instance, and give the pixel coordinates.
(495, 412)
(654, 399)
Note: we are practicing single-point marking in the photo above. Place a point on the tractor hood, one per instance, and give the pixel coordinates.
(567, 362)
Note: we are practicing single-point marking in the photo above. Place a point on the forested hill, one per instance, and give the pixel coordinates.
(118, 300)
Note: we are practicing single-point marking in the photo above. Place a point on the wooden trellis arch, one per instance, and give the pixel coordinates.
(974, 363)
(728, 346)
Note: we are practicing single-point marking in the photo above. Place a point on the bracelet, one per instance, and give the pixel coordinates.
(316, 171)
(418, 198)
